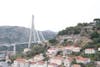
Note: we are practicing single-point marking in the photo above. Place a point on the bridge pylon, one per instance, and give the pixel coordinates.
(35, 36)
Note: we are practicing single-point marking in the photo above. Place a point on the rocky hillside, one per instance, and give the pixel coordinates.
(14, 34)
(84, 34)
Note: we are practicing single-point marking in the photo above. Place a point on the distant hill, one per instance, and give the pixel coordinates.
(86, 34)
(82, 28)
(14, 34)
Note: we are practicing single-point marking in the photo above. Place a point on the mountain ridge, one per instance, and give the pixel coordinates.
(14, 34)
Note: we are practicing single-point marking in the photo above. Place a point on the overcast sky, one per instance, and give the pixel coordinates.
(49, 14)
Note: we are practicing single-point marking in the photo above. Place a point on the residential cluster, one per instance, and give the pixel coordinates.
(59, 57)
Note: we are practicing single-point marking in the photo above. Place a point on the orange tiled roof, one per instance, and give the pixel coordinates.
(33, 62)
(76, 65)
(81, 58)
(20, 60)
(52, 64)
(41, 62)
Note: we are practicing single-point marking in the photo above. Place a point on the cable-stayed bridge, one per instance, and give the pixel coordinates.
(34, 37)
(35, 33)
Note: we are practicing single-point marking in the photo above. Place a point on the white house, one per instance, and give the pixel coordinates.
(57, 60)
(90, 51)
(97, 63)
(27, 64)
(67, 61)
(99, 49)
(68, 47)
(67, 50)
(33, 64)
(52, 50)
(38, 57)
(38, 64)
(76, 49)
(73, 48)
(80, 59)
(41, 64)
(26, 50)
(19, 63)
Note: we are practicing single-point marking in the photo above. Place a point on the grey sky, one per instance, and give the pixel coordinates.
(49, 14)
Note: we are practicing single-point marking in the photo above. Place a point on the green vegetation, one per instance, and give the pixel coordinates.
(90, 65)
(95, 34)
(18, 55)
(80, 27)
(97, 20)
(73, 30)
(36, 49)
(53, 42)
(89, 31)
(70, 30)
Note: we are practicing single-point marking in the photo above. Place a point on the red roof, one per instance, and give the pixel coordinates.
(20, 60)
(41, 62)
(52, 64)
(76, 65)
(33, 62)
(81, 58)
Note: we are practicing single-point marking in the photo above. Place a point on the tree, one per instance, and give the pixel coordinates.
(96, 40)
(28, 54)
(82, 24)
(38, 49)
(53, 41)
(94, 35)
(63, 32)
(97, 20)
(64, 42)
(90, 65)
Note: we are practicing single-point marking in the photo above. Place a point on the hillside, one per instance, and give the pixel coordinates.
(82, 33)
(14, 34)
